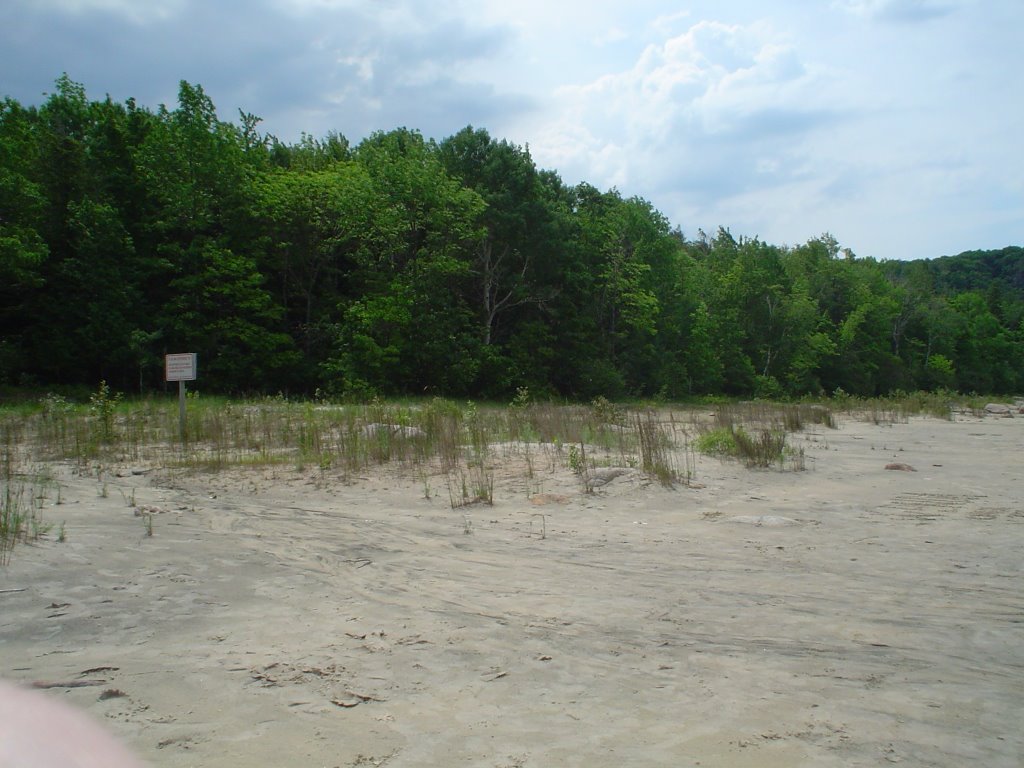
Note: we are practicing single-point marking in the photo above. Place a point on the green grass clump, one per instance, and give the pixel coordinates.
(763, 448)
(720, 441)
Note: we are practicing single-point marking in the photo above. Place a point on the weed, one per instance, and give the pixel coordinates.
(475, 488)
(718, 442)
(797, 458)
(607, 412)
(522, 399)
(19, 516)
(577, 458)
(55, 406)
(14, 515)
(655, 450)
(103, 403)
(761, 450)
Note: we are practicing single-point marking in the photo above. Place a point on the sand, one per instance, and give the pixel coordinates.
(845, 615)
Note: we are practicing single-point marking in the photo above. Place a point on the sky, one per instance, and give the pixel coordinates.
(897, 126)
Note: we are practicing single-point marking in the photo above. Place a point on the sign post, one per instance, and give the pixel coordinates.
(181, 368)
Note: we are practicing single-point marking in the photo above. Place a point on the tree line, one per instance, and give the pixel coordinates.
(403, 265)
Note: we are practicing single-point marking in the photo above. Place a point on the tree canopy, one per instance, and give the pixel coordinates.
(404, 265)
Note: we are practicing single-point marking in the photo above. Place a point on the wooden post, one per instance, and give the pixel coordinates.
(181, 410)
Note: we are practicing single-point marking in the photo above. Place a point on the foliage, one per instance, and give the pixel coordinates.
(103, 404)
(404, 266)
(763, 449)
(720, 441)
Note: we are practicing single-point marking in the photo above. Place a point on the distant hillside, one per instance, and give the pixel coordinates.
(973, 271)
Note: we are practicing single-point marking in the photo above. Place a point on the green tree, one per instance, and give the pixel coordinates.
(412, 328)
(984, 349)
(194, 171)
(316, 227)
(222, 312)
(515, 222)
(22, 249)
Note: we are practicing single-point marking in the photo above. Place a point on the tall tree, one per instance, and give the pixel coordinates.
(22, 248)
(222, 312)
(515, 221)
(315, 224)
(408, 327)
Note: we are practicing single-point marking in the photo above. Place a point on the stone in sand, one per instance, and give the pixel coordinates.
(999, 409)
(899, 466)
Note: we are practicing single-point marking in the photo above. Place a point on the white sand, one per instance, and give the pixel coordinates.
(842, 616)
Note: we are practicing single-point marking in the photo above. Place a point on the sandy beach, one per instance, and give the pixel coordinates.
(844, 615)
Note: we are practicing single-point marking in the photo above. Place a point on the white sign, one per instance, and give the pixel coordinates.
(181, 367)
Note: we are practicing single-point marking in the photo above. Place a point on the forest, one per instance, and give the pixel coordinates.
(408, 266)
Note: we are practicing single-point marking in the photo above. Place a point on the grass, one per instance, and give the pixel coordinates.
(762, 449)
(21, 499)
(426, 438)
(14, 513)
(462, 443)
(756, 433)
(657, 449)
(900, 406)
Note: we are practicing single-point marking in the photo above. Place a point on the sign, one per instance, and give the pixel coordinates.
(180, 367)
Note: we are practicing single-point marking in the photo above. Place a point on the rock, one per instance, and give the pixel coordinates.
(601, 477)
(899, 466)
(142, 510)
(999, 409)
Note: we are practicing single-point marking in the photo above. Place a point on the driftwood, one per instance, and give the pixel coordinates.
(67, 683)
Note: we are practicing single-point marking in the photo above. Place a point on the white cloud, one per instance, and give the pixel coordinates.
(892, 123)
(675, 117)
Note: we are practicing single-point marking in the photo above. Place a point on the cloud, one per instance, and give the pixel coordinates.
(705, 113)
(891, 123)
(302, 65)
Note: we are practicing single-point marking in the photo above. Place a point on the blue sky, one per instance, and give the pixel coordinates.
(895, 125)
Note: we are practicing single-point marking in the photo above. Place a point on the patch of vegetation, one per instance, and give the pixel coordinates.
(656, 450)
(763, 448)
(21, 497)
(720, 441)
